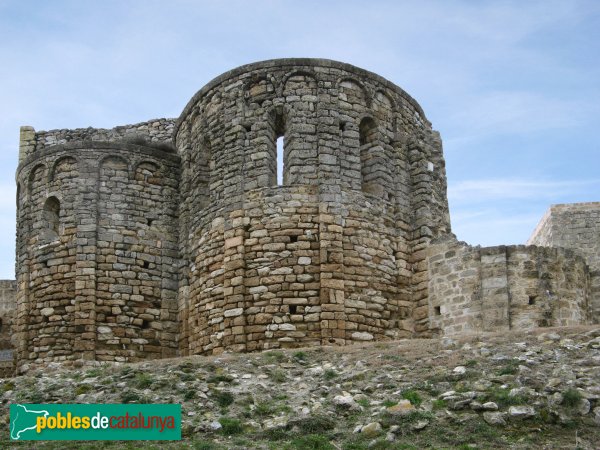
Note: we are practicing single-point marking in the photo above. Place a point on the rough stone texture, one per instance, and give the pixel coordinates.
(575, 226)
(336, 253)
(499, 288)
(8, 292)
(173, 237)
(154, 131)
(97, 253)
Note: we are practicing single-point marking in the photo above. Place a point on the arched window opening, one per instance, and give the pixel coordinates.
(51, 215)
(367, 139)
(279, 128)
(367, 131)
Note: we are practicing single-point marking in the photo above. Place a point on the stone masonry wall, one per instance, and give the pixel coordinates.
(575, 226)
(153, 131)
(174, 237)
(97, 253)
(8, 300)
(473, 289)
(335, 254)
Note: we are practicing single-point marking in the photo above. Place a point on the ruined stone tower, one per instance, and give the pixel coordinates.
(174, 237)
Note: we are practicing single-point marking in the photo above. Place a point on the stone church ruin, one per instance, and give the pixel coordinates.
(173, 237)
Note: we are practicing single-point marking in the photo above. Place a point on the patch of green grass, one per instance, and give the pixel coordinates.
(330, 374)
(413, 397)
(316, 424)
(277, 434)
(312, 442)
(364, 402)
(300, 356)
(264, 409)
(129, 397)
(571, 398)
(510, 367)
(274, 356)
(35, 396)
(278, 376)
(92, 373)
(502, 398)
(439, 404)
(389, 403)
(471, 363)
(83, 389)
(189, 394)
(387, 419)
(143, 380)
(216, 379)
(184, 376)
(186, 366)
(8, 386)
(231, 426)
(223, 398)
(204, 445)
(427, 387)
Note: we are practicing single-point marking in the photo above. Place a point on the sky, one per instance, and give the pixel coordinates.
(512, 86)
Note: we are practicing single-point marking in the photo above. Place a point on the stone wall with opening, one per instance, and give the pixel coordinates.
(97, 255)
(474, 289)
(336, 253)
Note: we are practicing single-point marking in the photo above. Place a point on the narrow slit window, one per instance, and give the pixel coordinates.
(367, 140)
(280, 162)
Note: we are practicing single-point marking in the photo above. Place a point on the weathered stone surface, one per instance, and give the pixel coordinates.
(372, 429)
(521, 412)
(178, 236)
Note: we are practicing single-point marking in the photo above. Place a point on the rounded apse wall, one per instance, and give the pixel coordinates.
(97, 253)
(335, 253)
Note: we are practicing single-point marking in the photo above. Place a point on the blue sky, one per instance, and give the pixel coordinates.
(513, 87)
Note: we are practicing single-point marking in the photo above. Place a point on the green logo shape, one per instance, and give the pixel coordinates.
(95, 422)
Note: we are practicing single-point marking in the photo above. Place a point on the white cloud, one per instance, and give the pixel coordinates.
(472, 191)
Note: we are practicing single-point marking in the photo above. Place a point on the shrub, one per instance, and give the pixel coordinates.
(230, 426)
(387, 419)
(83, 389)
(274, 356)
(220, 377)
(571, 398)
(364, 402)
(278, 376)
(301, 356)
(224, 398)
(312, 442)
(264, 409)
(413, 397)
(143, 380)
(503, 398)
(510, 368)
(313, 424)
(330, 374)
(189, 394)
(129, 397)
(439, 404)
